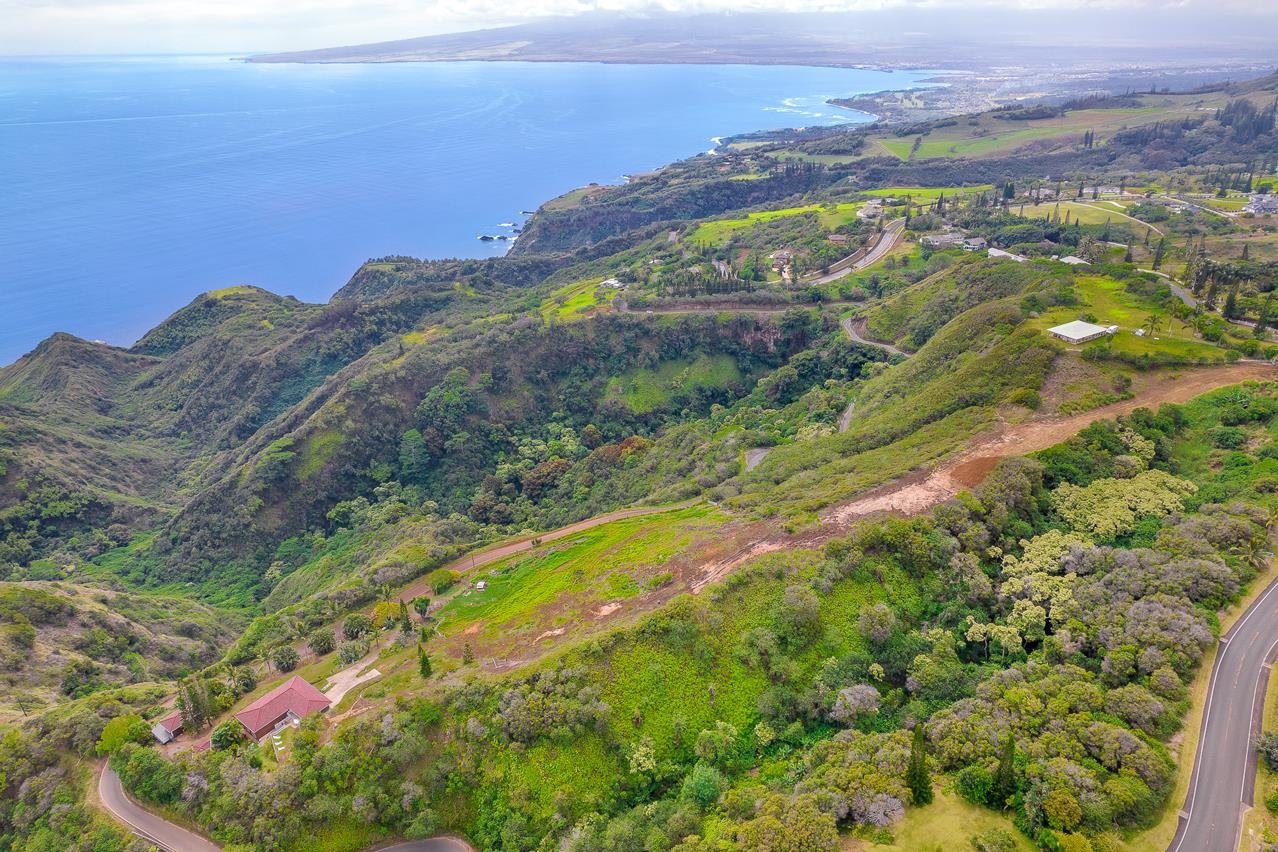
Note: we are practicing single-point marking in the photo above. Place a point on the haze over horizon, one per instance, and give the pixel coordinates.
(36, 27)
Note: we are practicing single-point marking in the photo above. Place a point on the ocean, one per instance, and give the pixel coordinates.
(128, 185)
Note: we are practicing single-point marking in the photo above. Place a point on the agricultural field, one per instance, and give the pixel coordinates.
(927, 194)
(831, 216)
(577, 300)
(992, 134)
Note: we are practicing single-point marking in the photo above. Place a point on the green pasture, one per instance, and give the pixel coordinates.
(644, 390)
(718, 230)
(612, 561)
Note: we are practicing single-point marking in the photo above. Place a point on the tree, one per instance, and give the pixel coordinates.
(423, 663)
(1267, 746)
(1231, 304)
(468, 654)
(284, 658)
(227, 735)
(120, 730)
(854, 702)
(322, 641)
(244, 678)
(421, 606)
(917, 778)
(351, 651)
(356, 625)
(1005, 776)
(405, 623)
(703, 785)
(1160, 252)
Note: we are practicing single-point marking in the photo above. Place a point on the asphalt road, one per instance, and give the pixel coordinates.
(1224, 780)
(147, 825)
(174, 838)
(890, 237)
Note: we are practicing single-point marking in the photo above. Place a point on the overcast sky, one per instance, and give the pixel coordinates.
(245, 26)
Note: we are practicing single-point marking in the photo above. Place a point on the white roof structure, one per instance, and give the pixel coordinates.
(1074, 261)
(1005, 254)
(1079, 331)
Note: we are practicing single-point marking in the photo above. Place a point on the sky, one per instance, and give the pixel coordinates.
(253, 26)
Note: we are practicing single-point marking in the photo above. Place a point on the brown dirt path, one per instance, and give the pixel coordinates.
(921, 490)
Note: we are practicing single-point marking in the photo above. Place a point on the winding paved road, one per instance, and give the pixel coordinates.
(174, 838)
(890, 237)
(1224, 780)
(143, 823)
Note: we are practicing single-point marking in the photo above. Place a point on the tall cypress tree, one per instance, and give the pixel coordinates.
(1005, 776)
(917, 778)
(423, 662)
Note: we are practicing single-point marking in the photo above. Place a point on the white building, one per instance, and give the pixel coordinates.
(1080, 332)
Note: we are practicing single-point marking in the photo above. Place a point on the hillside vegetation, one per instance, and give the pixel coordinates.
(740, 345)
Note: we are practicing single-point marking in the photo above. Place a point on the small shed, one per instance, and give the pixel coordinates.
(167, 728)
(974, 244)
(1074, 260)
(1080, 332)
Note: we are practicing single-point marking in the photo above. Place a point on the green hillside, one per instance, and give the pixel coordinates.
(750, 505)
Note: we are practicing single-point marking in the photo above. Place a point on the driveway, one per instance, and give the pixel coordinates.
(346, 680)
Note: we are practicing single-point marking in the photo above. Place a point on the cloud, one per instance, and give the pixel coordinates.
(119, 26)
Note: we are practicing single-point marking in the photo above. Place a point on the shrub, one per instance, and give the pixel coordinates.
(994, 840)
(321, 641)
(1228, 437)
(1267, 746)
(974, 783)
(284, 658)
(441, 580)
(1271, 801)
(356, 625)
(351, 651)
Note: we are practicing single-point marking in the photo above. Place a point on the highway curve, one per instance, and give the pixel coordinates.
(143, 823)
(174, 838)
(1224, 780)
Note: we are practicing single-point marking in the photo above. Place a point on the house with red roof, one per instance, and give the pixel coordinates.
(291, 701)
(167, 728)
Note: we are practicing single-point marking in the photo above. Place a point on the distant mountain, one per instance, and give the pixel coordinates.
(894, 38)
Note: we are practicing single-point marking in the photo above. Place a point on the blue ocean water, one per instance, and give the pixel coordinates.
(129, 185)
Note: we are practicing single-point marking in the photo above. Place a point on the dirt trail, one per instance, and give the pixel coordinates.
(855, 330)
(921, 490)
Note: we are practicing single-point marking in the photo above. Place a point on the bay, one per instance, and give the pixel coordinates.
(128, 185)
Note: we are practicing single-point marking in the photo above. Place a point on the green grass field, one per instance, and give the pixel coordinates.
(832, 215)
(644, 390)
(668, 695)
(563, 580)
(1110, 302)
(992, 134)
(576, 300)
(927, 194)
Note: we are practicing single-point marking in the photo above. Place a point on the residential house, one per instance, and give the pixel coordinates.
(293, 700)
(167, 728)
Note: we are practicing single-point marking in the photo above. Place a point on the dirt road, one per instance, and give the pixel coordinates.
(919, 491)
